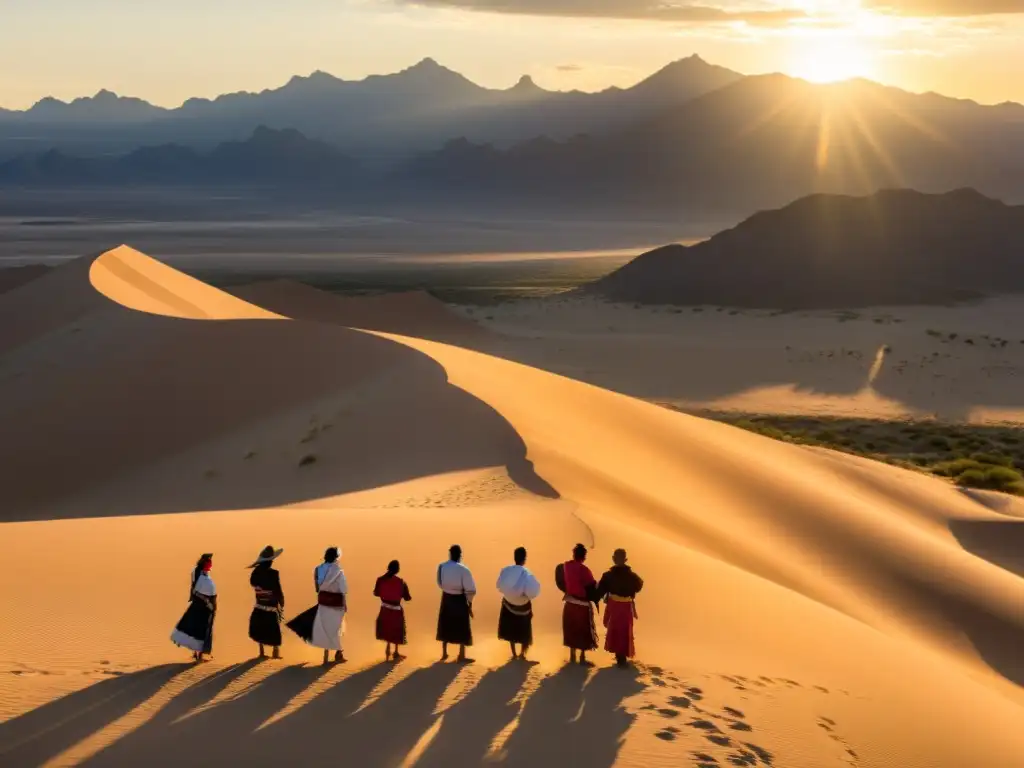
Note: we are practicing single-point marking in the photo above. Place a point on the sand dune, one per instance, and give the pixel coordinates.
(415, 313)
(801, 609)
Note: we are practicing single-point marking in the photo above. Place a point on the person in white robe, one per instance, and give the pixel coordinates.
(518, 588)
(323, 625)
(195, 628)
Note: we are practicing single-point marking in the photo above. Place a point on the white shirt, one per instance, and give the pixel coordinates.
(330, 578)
(518, 585)
(204, 585)
(455, 579)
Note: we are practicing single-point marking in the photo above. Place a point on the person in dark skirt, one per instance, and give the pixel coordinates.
(265, 619)
(579, 593)
(195, 629)
(618, 588)
(391, 590)
(519, 588)
(456, 613)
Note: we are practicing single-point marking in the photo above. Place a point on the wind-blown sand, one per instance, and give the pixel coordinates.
(802, 609)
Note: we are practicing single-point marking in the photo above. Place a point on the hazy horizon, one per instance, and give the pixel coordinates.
(64, 50)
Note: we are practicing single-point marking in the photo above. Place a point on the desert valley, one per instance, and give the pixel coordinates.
(766, 335)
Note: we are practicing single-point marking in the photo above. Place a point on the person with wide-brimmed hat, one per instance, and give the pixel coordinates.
(265, 619)
(323, 625)
(195, 629)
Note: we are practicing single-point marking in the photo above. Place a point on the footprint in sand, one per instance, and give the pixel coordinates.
(763, 755)
(732, 712)
(828, 725)
(667, 734)
(720, 739)
(704, 725)
(704, 760)
(668, 712)
(743, 757)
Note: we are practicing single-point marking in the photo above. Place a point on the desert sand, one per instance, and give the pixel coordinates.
(802, 608)
(961, 363)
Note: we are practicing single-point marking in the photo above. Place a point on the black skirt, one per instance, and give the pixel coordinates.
(453, 625)
(197, 623)
(302, 625)
(265, 627)
(515, 623)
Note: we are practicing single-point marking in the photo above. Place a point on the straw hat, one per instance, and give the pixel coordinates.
(268, 555)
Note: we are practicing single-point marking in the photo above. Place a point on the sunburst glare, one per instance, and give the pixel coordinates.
(829, 60)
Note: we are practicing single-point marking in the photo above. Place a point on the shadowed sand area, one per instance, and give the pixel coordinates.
(802, 608)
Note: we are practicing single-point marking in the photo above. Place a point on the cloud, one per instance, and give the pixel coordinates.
(569, 68)
(652, 10)
(946, 7)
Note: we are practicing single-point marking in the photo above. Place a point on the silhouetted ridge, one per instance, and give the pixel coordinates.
(413, 110)
(825, 251)
(757, 143)
(268, 156)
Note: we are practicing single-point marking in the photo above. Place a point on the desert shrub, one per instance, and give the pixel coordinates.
(991, 458)
(942, 443)
(957, 467)
(308, 459)
(993, 478)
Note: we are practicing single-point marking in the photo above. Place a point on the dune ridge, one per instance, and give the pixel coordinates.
(836, 604)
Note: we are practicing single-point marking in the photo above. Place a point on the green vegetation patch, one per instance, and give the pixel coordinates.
(972, 456)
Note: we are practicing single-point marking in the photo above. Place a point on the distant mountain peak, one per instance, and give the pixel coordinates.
(692, 69)
(526, 84)
(316, 79)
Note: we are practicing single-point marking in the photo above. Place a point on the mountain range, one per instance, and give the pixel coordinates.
(692, 136)
(268, 156)
(759, 142)
(387, 115)
(825, 251)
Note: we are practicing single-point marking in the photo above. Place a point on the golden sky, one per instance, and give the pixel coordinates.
(167, 52)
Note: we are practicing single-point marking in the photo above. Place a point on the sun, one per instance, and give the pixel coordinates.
(831, 60)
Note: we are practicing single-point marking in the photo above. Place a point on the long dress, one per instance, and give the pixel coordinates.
(265, 619)
(619, 586)
(579, 588)
(454, 622)
(391, 590)
(195, 628)
(323, 625)
(519, 588)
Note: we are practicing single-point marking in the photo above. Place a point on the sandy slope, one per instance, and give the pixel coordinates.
(802, 609)
(768, 362)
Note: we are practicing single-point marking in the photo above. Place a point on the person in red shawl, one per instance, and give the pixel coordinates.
(579, 593)
(391, 620)
(618, 587)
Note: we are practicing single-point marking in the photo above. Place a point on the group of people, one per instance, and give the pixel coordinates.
(323, 625)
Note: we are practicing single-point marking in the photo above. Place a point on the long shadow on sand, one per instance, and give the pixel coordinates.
(309, 411)
(375, 717)
(997, 639)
